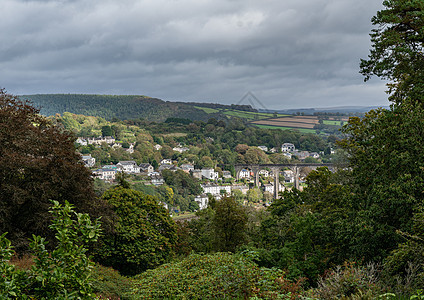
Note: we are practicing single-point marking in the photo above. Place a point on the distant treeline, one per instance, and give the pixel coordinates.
(123, 107)
(223, 106)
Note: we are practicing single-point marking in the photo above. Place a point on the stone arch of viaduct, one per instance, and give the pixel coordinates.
(276, 169)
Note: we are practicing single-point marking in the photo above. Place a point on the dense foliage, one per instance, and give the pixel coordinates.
(38, 163)
(144, 233)
(213, 276)
(109, 107)
(397, 49)
(63, 273)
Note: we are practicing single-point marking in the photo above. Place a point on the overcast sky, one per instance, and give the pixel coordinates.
(289, 53)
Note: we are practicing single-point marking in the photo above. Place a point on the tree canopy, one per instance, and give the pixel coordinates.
(38, 163)
(144, 234)
(397, 49)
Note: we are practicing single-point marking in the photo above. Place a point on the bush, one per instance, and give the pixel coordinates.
(219, 275)
(349, 281)
(109, 284)
(63, 273)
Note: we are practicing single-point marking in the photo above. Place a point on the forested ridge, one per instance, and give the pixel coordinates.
(123, 107)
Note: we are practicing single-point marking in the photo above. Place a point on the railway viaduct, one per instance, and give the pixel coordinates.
(276, 168)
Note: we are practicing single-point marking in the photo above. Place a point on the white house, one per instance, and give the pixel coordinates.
(131, 148)
(211, 189)
(101, 139)
(314, 155)
(287, 147)
(180, 149)
(157, 180)
(210, 174)
(226, 174)
(82, 141)
(244, 174)
(288, 176)
(263, 148)
(147, 168)
(264, 173)
(270, 188)
(128, 166)
(202, 200)
(157, 147)
(166, 161)
(187, 168)
(105, 174)
(88, 160)
(288, 155)
(215, 189)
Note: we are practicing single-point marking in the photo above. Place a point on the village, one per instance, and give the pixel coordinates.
(214, 182)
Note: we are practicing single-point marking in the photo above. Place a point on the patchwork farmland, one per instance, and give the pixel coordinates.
(301, 122)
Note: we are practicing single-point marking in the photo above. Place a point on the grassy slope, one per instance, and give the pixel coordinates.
(304, 130)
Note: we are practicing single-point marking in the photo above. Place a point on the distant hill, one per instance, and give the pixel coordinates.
(123, 107)
(130, 107)
(339, 109)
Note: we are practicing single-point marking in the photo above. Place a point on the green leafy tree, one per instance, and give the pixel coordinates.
(144, 233)
(255, 155)
(254, 195)
(201, 237)
(166, 151)
(308, 231)
(206, 162)
(229, 224)
(107, 130)
(397, 49)
(182, 183)
(384, 150)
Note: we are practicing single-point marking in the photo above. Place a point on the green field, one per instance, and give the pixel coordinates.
(330, 122)
(304, 130)
(186, 215)
(207, 109)
(250, 115)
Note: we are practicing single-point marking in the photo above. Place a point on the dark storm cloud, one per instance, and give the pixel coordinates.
(289, 53)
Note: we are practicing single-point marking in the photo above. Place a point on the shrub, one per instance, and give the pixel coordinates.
(63, 273)
(109, 284)
(349, 281)
(219, 275)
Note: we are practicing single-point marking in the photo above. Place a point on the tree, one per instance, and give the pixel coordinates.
(241, 148)
(397, 49)
(384, 150)
(229, 223)
(309, 231)
(254, 195)
(107, 130)
(166, 151)
(255, 155)
(144, 234)
(38, 163)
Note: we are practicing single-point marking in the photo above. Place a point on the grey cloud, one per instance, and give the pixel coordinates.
(290, 53)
